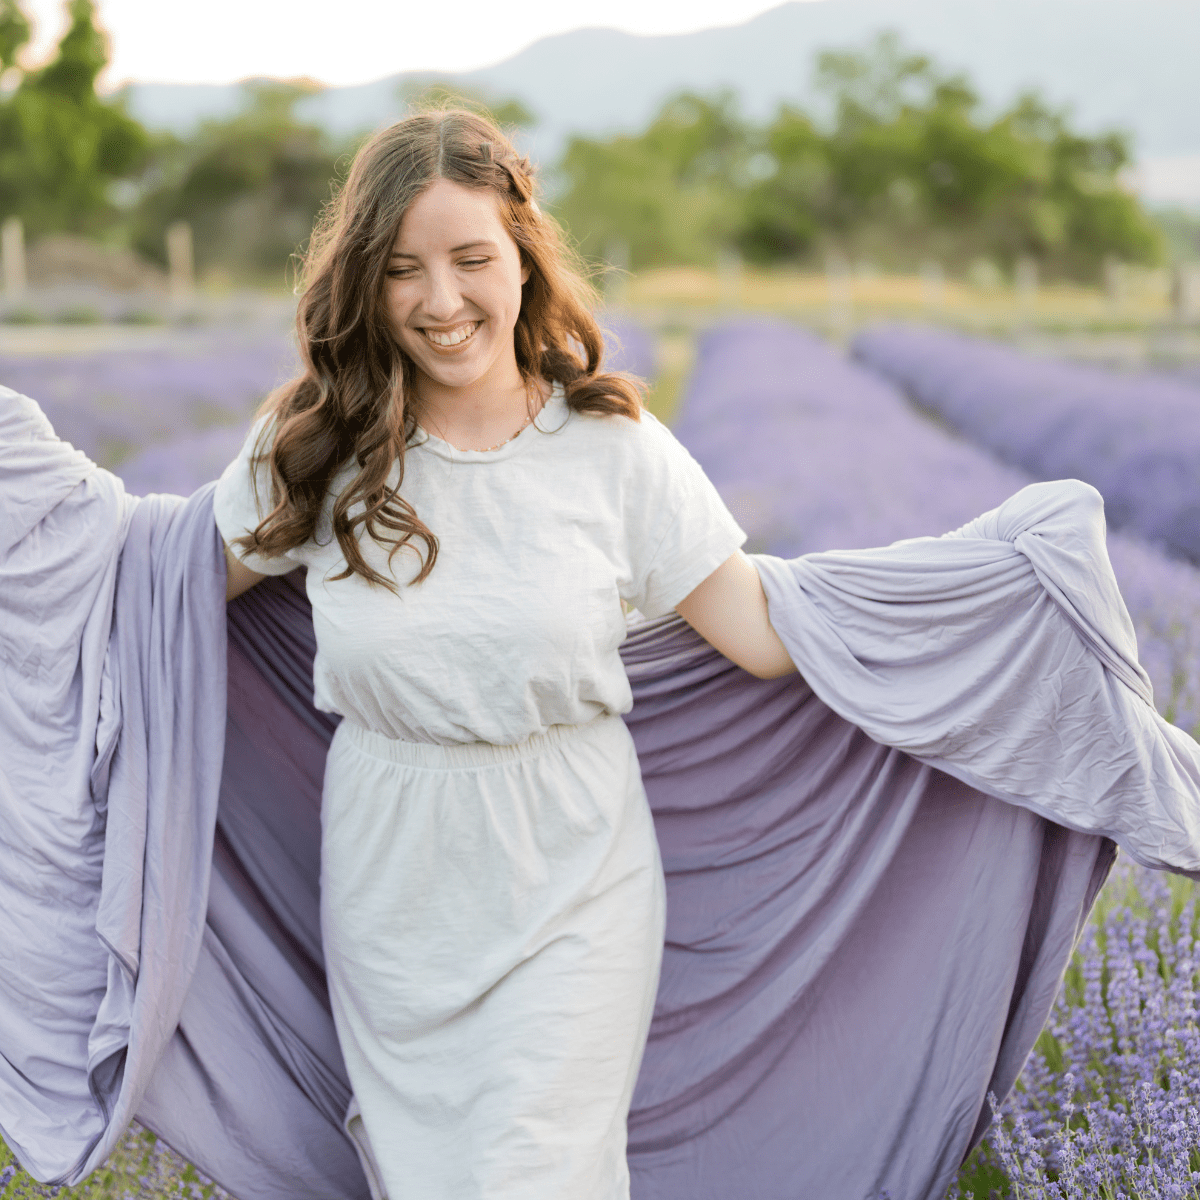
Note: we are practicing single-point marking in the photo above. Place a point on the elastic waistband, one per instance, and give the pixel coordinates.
(465, 754)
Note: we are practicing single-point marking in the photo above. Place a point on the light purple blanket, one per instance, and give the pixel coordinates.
(876, 871)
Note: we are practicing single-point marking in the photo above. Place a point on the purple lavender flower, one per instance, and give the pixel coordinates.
(1108, 1103)
(113, 403)
(182, 466)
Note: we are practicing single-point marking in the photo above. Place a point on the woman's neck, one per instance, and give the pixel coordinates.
(484, 414)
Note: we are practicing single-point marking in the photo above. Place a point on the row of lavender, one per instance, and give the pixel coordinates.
(814, 452)
(1136, 438)
(168, 417)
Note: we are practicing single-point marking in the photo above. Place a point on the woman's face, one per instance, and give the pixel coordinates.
(453, 287)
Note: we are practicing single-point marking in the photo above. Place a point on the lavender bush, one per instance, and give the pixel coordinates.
(114, 403)
(1107, 1105)
(1134, 437)
(813, 452)
(182, 466)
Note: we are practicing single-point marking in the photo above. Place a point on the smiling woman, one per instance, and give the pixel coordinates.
(474, 497)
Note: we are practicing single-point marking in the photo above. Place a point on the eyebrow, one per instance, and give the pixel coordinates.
(453, 249)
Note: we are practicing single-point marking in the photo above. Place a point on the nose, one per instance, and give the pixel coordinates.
(443, 300)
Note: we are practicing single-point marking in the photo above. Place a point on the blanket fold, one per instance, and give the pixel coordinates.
(1002, 654)
(876, 870)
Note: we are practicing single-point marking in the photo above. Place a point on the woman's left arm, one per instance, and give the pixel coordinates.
(729, 610)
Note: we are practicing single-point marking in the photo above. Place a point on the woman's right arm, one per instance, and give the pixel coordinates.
(239, 576)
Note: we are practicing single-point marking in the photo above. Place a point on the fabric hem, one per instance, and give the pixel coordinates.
(701, 568)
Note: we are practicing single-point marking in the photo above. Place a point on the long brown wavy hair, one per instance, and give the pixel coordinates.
(354, 398)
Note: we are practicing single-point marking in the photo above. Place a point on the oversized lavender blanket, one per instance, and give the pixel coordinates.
(876, 871)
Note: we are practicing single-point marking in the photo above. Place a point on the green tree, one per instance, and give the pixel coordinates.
(787, 208)
(14, 33)
(251, 185)
(907, 166)
(1069, 209)
(672, 194)
(62, 148)
(900, 163)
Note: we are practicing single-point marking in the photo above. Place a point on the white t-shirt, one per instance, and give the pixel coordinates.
(518, 625)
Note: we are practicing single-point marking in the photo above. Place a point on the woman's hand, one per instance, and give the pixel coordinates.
(729, 610)
(239, 576)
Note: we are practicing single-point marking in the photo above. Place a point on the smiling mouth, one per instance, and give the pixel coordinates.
(451, 339)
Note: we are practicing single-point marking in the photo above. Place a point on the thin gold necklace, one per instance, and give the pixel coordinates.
(529, 416)
(489, 449)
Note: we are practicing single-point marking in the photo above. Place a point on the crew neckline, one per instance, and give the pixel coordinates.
(552, 417)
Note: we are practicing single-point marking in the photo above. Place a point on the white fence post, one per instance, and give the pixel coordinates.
(841, 294)
(180, 263)
(1185, 291)
(1025, 280)
(12, 250)
(933, 287)
(1116, 283)
(729, 277)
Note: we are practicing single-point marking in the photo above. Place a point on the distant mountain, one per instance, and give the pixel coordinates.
(1133, 64)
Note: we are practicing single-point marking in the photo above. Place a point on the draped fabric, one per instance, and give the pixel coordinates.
(876, 870)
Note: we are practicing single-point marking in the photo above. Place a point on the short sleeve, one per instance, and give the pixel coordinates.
(684, 531)
(237, 514)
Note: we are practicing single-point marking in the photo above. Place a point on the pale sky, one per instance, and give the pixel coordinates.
(353, 41)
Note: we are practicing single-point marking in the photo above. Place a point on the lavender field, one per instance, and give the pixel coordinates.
(813, 452)
(1134, 437)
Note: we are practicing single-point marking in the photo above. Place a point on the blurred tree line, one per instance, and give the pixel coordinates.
(901, 164)
(250, 185)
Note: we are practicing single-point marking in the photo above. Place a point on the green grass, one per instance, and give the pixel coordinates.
(141, 1168)
(676, 356)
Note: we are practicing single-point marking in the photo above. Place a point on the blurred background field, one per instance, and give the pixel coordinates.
(880, 264)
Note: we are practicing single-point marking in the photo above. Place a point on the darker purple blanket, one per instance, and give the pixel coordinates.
(858, 948)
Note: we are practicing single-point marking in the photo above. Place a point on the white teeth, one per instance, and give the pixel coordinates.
(454, 337)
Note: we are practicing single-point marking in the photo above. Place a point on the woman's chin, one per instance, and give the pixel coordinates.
(453, 374)
(468, 366)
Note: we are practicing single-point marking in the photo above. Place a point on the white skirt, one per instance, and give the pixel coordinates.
(493, 927)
